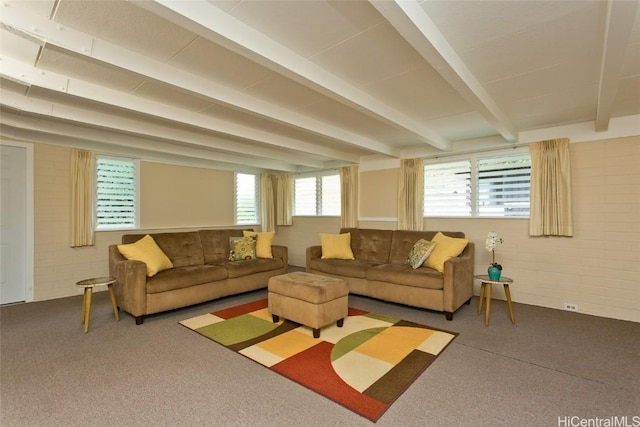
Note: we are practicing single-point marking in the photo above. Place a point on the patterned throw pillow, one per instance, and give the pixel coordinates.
(242, 248)
(263, 242)
(420, 252)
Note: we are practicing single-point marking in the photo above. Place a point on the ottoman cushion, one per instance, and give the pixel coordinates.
(308, 287)
(309, 299)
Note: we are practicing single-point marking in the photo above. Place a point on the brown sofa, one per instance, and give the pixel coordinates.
(201, 272)
(379, 270)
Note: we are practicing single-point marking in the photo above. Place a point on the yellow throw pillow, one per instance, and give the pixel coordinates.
(263, 242)
(446, 247)
(147, 251)
(336, 246)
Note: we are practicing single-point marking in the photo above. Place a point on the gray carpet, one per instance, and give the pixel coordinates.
(551, 365)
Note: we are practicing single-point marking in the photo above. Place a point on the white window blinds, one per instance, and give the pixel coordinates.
(317, 195)
(246, 199)
(447, 189)
(116, 193)
(503, 185)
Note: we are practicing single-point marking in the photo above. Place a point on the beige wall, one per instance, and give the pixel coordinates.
(598, 269)
(178, 196)
(205, 200)
(378, 193)
(57, 267)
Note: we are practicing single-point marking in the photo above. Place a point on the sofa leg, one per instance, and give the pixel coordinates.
(448, 315)
(467, 302)
(139, 320)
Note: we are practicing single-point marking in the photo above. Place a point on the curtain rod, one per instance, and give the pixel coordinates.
(479, 150)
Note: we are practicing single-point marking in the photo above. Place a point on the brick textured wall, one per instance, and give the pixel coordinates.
(598, 269)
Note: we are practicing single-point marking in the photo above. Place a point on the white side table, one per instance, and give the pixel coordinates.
(88, 286)
(485, 294)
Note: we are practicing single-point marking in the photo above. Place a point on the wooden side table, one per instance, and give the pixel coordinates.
(88, 286)
(485, 293)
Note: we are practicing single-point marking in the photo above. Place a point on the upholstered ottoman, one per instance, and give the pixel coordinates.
(309, 299)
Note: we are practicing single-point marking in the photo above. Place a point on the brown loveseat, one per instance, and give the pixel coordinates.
(201, 272)
(380, 270)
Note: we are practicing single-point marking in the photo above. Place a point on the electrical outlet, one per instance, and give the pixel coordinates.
(569, 306)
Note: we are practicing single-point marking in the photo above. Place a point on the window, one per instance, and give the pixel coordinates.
(483, 186)
(316, 195)
(246, 198)
(116, 193)
(447, 189)
(503, 186)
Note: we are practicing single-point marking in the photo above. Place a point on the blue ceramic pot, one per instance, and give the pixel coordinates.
(494, 273)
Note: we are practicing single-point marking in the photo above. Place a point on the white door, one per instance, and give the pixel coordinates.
(13, 224)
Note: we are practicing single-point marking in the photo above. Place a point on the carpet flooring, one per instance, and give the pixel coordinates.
(548, 367)
(365, 365)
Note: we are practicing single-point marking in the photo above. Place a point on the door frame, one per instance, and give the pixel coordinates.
(29, 252)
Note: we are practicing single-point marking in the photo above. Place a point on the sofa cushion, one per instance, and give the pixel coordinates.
(370, 244)
(403, 274)
(182, 248)
(247, 267)
(446, 247)
(342, 267)
(242, 248)
(215, 244)
(419, 253)
(147, 251)
(184, 277)
(263, 242)
(403, 241)
(336, 246)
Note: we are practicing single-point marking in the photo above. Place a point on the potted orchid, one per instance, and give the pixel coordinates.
(490, 244)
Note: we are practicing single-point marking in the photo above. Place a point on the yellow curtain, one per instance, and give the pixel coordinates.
(550, 199)
(83, 172)
(284, 199)
(349, 196)
(267, 206)
(410, 195)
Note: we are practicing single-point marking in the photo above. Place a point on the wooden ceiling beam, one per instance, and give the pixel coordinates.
(413, 23)
(215, 25)
(616, 40)
(58, 37)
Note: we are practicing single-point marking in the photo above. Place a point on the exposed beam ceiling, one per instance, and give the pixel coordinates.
(418, 29)
(619, 25)
(291, 86)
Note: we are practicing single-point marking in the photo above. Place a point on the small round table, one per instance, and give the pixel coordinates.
(88, 286)
(485, 293)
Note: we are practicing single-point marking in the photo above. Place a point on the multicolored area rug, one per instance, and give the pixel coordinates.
(364, 365)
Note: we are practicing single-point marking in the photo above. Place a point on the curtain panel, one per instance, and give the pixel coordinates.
(349, 196)
(411, 195)
(267, 205)
(284, 199)
(83, 184)
(550, 195)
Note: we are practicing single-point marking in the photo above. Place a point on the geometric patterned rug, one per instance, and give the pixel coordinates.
(364, 365)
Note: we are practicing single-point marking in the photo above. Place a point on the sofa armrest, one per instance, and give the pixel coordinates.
(458, 279)
(313, 252)
(131, 282)
(281, 252)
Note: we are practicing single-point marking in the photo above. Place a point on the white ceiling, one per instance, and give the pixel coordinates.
(297, 85)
